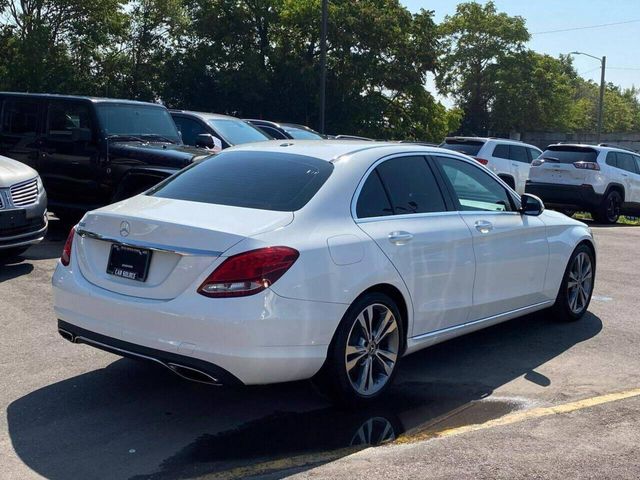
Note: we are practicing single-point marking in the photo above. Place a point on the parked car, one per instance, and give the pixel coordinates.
(289, 131)
(215, 131)
(509, 159)
(91, 151)
(23, 208)
(602, 179)
(277, 262)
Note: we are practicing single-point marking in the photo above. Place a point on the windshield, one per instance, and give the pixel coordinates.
(470, 147)
(236, 131)
(262, 180)
(569, 154)
(302, 134)
(130, 120)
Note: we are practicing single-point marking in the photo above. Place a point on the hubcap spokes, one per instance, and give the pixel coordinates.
(580, 283)
(372, 349)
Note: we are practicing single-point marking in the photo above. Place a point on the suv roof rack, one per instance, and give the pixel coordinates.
(617, 146)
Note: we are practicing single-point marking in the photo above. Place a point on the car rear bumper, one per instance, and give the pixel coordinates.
(260, 339)
(565, 196)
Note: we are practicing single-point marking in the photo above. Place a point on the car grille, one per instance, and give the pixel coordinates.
(25, 193)
(1, 201)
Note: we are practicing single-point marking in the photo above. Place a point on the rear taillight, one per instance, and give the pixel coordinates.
(537, 162)
(249, 272)
(587, 165)
(65, 258)
(483, 161)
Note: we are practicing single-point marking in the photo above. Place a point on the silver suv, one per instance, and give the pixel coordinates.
(23, 207)
(509, 159)
(601, 179)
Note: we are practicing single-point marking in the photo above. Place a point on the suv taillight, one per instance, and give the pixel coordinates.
(587, 165)
(249, 272)
(483, 161)
(65, 258)
(537, 162)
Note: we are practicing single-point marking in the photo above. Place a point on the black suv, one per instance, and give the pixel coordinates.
(91, 151)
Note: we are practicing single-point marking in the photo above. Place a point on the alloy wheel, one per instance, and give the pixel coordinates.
(580, 283)
(613, 209)
(372, 349)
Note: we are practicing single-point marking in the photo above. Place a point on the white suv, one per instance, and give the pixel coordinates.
(509, 159)
(603, 180)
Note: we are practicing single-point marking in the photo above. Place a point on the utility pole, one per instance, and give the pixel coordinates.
(603, 65)
(323, 63)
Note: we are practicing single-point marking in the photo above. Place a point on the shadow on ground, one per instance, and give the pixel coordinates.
(135, 420)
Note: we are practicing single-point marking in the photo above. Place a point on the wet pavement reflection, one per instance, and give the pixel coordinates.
(135, 420)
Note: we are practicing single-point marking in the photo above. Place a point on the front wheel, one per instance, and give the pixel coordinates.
(577, 285)
(363, 357)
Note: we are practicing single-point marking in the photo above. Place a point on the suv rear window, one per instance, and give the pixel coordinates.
(569, 154)
(261, 180)
(470, 147)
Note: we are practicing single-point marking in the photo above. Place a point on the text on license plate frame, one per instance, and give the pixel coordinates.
(128, 262)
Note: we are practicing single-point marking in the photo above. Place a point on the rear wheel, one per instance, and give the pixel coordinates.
(609, 210)
(363, 357)
(577, 285)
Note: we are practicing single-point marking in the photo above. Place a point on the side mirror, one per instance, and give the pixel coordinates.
(531, 205)
(206, 140)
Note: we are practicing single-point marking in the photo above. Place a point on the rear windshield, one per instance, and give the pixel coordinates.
(569, 154)
(261, 180)
(470, 147)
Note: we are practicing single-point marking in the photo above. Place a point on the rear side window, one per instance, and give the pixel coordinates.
(470, 147)
(66, 120)
(519, 154)
(373, 200)
(260, 180)
(501, 151)
(569, 154)
(20, 117)
(637, 160)
(625, 162)
(411, 185)
(612, 159)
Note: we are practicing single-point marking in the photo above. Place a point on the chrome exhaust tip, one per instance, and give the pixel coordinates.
(193, 374)
(66, 335)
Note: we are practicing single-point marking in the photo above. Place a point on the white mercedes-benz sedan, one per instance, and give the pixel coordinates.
(275, 262)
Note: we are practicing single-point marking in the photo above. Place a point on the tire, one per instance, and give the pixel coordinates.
(368, 372)
(582, 275)
(609, 211)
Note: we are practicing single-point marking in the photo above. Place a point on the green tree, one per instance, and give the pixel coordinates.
(473, 41)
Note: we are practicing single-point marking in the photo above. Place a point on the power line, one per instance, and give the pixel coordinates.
(623, 68)
(587, 27)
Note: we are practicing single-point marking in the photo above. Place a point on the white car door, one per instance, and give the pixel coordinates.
(400, 206)
(511, 249)
(628, 176)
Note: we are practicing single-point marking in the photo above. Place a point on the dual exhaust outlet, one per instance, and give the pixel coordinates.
(188, 373)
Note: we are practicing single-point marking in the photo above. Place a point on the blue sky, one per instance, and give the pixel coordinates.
(620, 43)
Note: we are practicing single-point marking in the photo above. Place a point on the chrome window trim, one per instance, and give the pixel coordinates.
(148, 245)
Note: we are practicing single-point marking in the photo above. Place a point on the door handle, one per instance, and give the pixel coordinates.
(400, 237)
(483, 226)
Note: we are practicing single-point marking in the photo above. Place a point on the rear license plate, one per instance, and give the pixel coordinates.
(13, 219)
(129, 262)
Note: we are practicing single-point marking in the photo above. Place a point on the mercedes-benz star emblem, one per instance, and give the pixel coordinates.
(125, 228)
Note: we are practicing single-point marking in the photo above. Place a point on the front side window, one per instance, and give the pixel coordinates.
(411, 186)
(144, 121)
(260, 180)
(474, 188)
(272, 132)
(69, 120)
(20, 117)
(236, 131)
(189, 129)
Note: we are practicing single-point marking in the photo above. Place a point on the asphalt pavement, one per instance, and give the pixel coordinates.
(531, 398)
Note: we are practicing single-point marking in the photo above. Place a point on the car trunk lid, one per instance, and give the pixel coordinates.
(184, 240)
